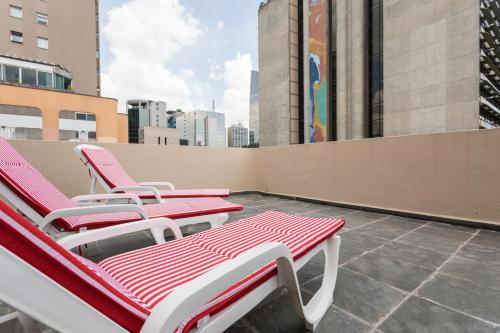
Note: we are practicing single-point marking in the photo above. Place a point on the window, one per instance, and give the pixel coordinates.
(12, 74)
(42, 43)
(165, 141)
(28, 76)
(159, 140)
(16, 12)
(81, 116)
(42, 19)
(59, 82)
(16, 37)
(44, 79)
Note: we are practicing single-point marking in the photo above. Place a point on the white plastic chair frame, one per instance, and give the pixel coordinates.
(45, 222)
(151, 187)
(67, 313)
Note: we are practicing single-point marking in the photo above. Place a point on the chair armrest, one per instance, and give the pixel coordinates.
(190, 297)
(159, 224)
(138, 188)
(91, 210)
(113, 196)
(170, 186)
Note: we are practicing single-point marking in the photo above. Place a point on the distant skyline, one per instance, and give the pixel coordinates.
(184, 52)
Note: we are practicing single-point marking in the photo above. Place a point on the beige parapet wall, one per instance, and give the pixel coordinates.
(185, 166)
(452, 175)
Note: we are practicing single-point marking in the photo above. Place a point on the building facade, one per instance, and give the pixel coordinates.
(142, 113)
(159, 136)
(339, 70)
(29, 113)
(62, 33)
(237, 136)
(254, 109)
(202, 128)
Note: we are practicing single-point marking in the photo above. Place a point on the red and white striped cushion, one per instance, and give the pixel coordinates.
(87, 282)
(108, 167)
(31, 186)
(172, 209)
(41, 195)
(198, 193)
(153, 273)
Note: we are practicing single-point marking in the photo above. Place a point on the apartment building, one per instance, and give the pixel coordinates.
(51, 44)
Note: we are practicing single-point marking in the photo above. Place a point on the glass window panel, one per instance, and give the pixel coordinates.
(59, 82)
(81, 116)
(29, 76)
(42, 19)
(16, 37)
(67, 83)
(42, 43)
(45, 79)
(16, 11)
(11, 73)
(91, 117)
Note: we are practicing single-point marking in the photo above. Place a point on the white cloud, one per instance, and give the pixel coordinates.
(143, 37)
(215, 71)
(220, 25)
(236, 96)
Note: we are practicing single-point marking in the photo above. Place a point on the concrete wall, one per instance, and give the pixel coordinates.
(111, 126)
(431, 66)
(151, 135)
(452, 175)
(275, 79)
(447, 175)
(185, 166)
(71, 33)
(351, 70)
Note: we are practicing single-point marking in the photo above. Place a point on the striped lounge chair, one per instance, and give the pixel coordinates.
(36, 197)
(201, 283)
(105, 169)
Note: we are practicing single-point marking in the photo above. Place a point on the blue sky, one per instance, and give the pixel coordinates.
(206, 60)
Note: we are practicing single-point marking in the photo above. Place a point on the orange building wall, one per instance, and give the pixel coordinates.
(111, 126)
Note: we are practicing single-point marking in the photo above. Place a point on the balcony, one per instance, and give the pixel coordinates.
(419, 250)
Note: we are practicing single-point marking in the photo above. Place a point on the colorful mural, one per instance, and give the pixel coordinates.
(317, 116)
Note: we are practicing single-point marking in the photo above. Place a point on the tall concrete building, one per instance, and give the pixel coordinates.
(339, 69)
(202, 128)
(142, 113)
(254, 109)
(237, 136)
(59, 38)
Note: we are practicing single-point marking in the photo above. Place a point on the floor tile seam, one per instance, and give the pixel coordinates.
(406, 262)
(422, 284)
(444, 273)
(352, 315)
(380, 246)
(496, 325)
(404, 292)
(487, 247)
(369, 223)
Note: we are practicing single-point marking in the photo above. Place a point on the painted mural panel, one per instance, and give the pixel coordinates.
(318, 71)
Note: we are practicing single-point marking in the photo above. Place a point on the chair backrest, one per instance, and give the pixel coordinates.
(69, 271)
(106, 166)
(30, 186)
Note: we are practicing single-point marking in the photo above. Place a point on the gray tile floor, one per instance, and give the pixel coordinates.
(396, 274)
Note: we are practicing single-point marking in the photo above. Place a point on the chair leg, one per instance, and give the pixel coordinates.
(323, 299)
(218, 220)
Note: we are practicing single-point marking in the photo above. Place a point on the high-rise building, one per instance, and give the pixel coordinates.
(202, 128)
(254, 109)
(172, 116)
(51, 43)
(338, 69)
(142, 114)
(237, 136)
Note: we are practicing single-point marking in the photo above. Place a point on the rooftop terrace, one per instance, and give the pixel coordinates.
(403, 268)
(396, 274)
